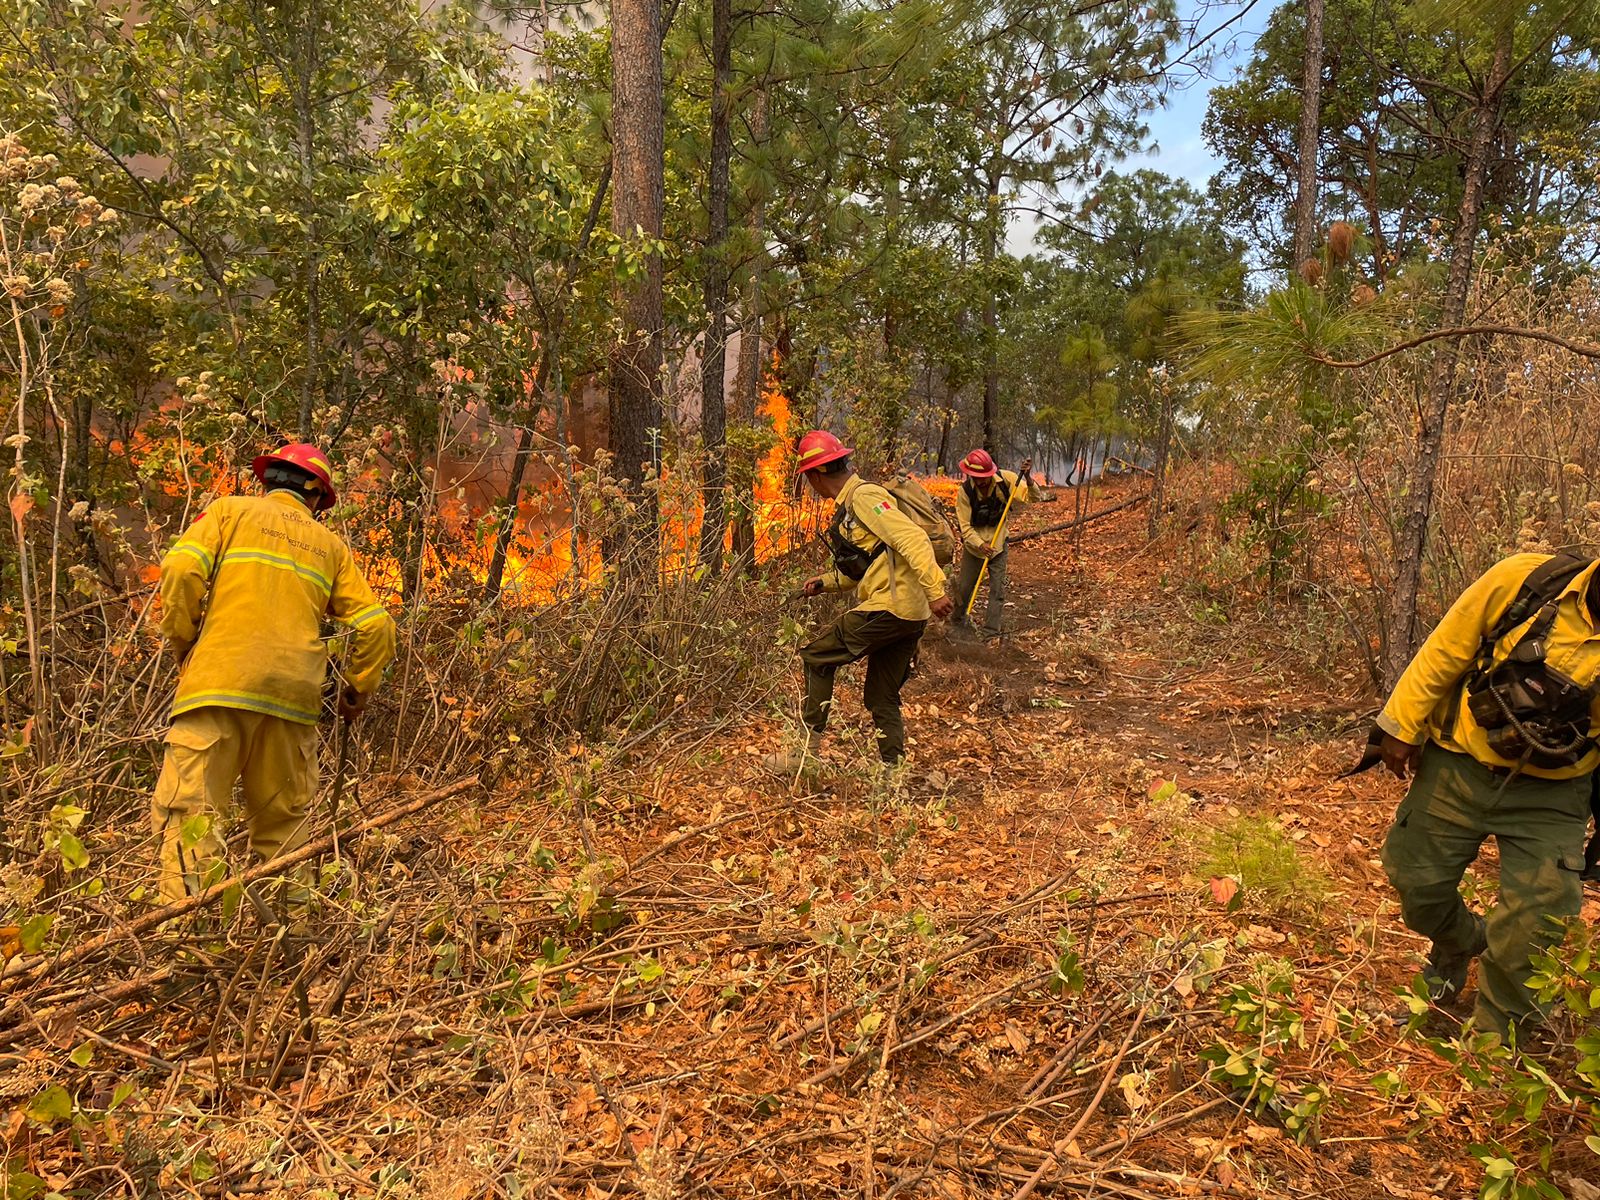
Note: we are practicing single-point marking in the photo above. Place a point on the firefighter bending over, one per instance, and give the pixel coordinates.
(887, 559)
(981, 511)
(243, 593)
(1496, 718)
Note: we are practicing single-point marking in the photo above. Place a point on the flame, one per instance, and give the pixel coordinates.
(776, 508)
(543, 558)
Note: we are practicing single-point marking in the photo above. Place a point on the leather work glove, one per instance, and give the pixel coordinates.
(352, 704)
(1025, 467)
(1400, 757)
(812, 586)
(943, 607)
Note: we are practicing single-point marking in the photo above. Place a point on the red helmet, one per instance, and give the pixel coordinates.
(818, 448)
(309, 459)
(978, 465)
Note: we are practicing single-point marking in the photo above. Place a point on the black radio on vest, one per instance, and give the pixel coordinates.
(987, 510)
(849, 559)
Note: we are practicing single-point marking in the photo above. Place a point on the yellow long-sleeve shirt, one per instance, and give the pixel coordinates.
(905, 579)
(271, 572)
(976, 538)
(1422, 698)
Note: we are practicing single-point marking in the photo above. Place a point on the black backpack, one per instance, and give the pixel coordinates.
(1544, 583)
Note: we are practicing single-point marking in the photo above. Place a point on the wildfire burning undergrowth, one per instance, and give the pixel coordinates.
(430, 529)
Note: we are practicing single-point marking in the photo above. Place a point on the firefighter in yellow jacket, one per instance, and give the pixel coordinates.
(1495, 719)
(981, 505)
(887, 560)
(243, 594)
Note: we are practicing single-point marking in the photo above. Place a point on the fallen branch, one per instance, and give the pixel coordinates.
(1459, 331)
(1029, 534)
(1117, 1145)
(47, 967)
(1051, 1161)
(983, 938)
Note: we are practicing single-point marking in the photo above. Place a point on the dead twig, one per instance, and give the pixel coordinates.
(45, 968)
(1051, 1161)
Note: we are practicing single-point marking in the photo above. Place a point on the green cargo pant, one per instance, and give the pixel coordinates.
(967, 583)
(1454, 804)
(889, 644)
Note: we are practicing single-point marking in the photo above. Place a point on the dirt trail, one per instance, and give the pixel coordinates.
(1026, 922)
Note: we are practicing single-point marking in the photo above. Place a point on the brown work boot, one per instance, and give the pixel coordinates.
(1446, 970)
(803, 757)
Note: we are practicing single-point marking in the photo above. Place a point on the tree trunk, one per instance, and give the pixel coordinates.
(636, 147)
(1158, 480)
(550, 341)
(1305, 207)
(307, 134)
(944, 430)
(1413, 542)
(713, 365)
(751, 360)
(519, 468)
(746, 388)
(991, 322)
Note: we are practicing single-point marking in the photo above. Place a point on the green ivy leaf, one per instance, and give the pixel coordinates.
(1499, 1168)
(194, 830)
(32, 932)
(49, 1106)
(73, 856)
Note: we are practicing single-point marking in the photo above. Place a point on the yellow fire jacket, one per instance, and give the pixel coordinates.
(272, 573)
(977, 539)
(1422, 698)
(905, 578)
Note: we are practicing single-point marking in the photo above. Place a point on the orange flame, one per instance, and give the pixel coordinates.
(543, 558)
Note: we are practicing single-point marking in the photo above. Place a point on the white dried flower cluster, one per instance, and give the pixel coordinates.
(84, 581)
(105, 523)
(20, 886)
(64, 202)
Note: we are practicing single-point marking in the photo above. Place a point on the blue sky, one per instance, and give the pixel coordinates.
(1175, 129)
(1177, 148)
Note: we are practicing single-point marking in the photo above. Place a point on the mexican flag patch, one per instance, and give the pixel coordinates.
(882, 506)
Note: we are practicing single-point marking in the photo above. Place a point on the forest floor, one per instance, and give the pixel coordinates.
(1011, 969)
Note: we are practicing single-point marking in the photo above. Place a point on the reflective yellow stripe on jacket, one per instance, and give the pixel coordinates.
(243, 595)
(1420, 705)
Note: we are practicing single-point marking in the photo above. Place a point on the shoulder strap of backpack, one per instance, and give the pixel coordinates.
(1544, 583)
